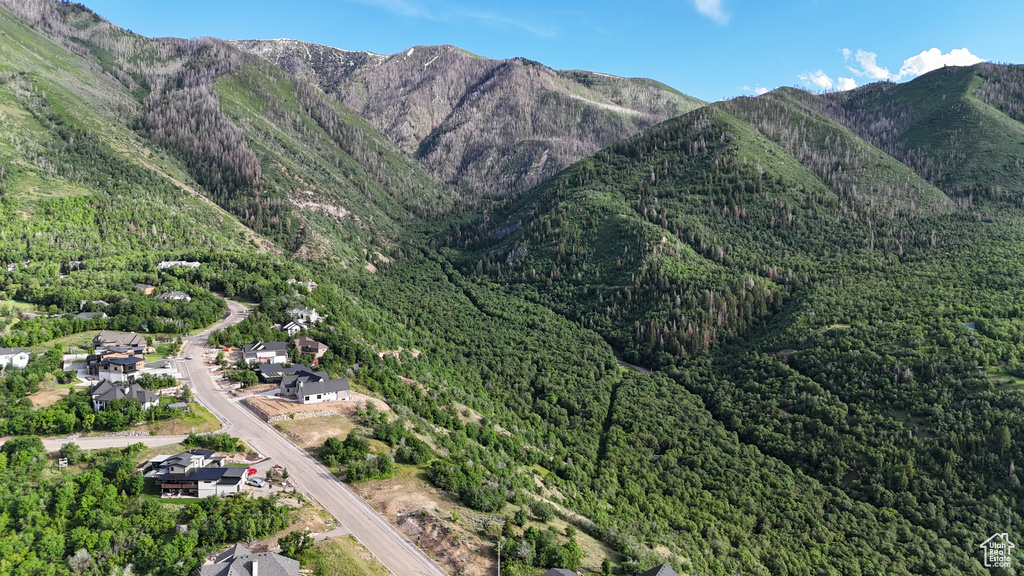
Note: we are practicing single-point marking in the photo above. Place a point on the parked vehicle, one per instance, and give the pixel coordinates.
(250, 471)
(255, 482)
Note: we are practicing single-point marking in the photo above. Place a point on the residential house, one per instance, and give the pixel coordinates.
(81, 304)
(117, 368)
(198, 473)
(294, 327)
(560, 572)
(238, 561)
(106, 391)
(167, 264)
(662, 570)
(265, 352)
(309, 347)
(108, 339)
(303, 314)
(307, 285)
(146, 289)
(273, 373)
(90, 315)
(174, 295)
(17, 357)
(311, 387)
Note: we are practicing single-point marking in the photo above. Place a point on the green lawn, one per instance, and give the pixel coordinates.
(81, 339)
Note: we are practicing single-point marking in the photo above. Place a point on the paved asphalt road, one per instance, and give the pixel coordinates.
(400, 555)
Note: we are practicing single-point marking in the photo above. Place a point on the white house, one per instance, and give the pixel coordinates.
(17, 357)
(303, 314)
(176, 263)
(174, 295)
(265, 352)
(198, 473)
(294, 327)
(311, 387)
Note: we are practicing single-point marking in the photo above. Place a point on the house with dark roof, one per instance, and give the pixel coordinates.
(174, 295)
(17, 357)
(273, 373)
(662, 570)
(238, 561)
(560, 572)
(105, 391)
(294, 327)
(108, 339)
(265, 352)
(311, 387)
(90, 315)
(118, 368)
(198, 473)
(309, 347)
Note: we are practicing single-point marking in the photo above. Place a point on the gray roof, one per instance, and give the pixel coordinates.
(10, 351)
(306, 342)
(663, 570)
(129, 361)
(173, 295)
(240, 561)
(259, 345)
(105, 391)
(560, 572)
(90, 315)
(310, 387)
(274, 370)
(114, 339)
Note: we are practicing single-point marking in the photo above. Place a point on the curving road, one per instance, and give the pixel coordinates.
(389, 545)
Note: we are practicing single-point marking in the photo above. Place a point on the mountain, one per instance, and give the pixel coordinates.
(291, 164)
(832, 324)
(487, 127)
(958, 127)
(817, 289)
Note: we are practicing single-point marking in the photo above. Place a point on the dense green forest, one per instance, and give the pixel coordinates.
(828, 298)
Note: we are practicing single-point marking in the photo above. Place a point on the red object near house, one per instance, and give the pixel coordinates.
(226, 349)
(250, 471)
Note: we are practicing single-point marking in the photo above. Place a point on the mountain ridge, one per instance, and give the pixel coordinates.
(438, 103)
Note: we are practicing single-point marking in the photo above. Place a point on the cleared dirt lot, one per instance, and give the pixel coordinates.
(276, 406)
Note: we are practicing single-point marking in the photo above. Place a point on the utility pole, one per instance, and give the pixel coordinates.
(499, 555)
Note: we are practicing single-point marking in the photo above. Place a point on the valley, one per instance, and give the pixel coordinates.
(614, 326)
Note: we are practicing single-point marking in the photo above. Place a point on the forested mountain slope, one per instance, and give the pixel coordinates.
(829, 306)
(958, 127)
(488, 127)
(290, 163)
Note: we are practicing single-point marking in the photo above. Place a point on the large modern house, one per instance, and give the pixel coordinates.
(265, 352)
(118, 368)
(197, 473)
(106, 391)
(238, 561)
(311, 387)
(309, 347)
(274, 373)
(17, 357)
(107, 339)
(303, 314)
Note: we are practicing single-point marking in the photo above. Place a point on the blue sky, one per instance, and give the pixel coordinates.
(711, 49)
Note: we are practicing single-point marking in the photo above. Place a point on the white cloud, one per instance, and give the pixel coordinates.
(845, 84)
(712, 9)
(819, 79)
(760, 90)
(846, 54)
(869, 67)
(934, 59)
